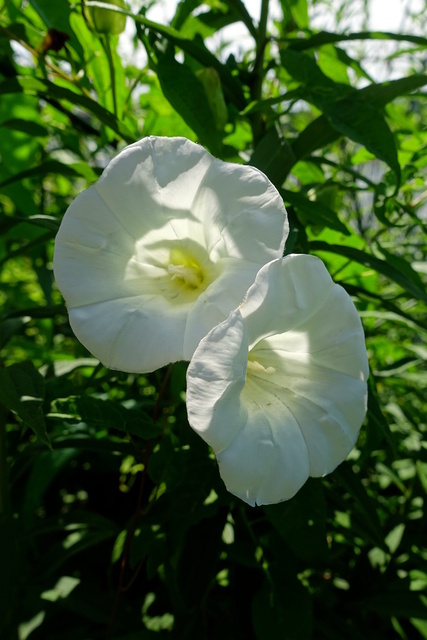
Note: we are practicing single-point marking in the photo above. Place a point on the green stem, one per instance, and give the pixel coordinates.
(106, 43)
(4, 479)
(258, 70)
(262, 28)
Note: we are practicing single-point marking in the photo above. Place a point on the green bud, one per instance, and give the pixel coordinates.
(105, 21)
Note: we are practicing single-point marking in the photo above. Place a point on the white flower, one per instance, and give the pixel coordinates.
(161, 249)
(278, 390)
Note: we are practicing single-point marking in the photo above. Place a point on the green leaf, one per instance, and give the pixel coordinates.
(301, 522)
(54, 14)
(316, 135)
(398, 602)
(242, 13)
(37, 312)
(194, 48)
(26, 126)
(378, 428)
(22, 391)
(363, 123)
(46, 222)
(47, 465)
(77, 169)
(187, 95)
(314, 213)
(364, 515)
(325, 37)
(299, 12)
(110, 445)
(184, 10)
(106, 414)
(46, 89)
(347, 110)
(284, 611)
(400, 264)
(410, 284)
(381, 94)
(318, 88)
(109, 83)
(274, 156)
(65, 367)
(10, 327)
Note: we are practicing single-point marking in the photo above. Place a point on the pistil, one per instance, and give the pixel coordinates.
(191, 276)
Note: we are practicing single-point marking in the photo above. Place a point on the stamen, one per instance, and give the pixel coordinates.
(256, 367)
(191, 276)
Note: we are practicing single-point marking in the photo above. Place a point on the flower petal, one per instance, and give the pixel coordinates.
(94, 250)
(135, 335)
(215, 378)
(294, 287)
(260, 461)
(213, 305)
(164, 247)
(267, 461)
(305, 395)
(243, 208)
(153, 182)
(317, 353)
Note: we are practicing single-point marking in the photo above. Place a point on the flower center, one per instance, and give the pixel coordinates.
(189, 273)
(186, 270)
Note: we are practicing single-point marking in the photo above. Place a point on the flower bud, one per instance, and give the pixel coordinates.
(105, 21)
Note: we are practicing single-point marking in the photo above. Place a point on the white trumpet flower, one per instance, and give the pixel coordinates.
(279, 390)
(162, 248)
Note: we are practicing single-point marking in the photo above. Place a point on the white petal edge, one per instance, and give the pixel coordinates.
(115, 240)
(307, 335)
(215, 378)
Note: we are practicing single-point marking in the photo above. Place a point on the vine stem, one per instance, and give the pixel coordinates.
(44, 62)
(258, 70)
(4, 479)
(106, 43)
(121, 588)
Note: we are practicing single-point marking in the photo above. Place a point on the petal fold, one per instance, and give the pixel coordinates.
(305, 394)
(215, 379)
(165, 245)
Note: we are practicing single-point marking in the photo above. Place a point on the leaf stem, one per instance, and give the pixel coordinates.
(258, 71)
(106, 43)
(4, 479)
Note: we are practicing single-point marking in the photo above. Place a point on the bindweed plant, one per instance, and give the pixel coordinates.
(210, 225)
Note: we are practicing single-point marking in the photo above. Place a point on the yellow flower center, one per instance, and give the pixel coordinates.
(189, 272)
(185, 269)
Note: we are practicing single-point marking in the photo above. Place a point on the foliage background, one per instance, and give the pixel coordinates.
(114, 522)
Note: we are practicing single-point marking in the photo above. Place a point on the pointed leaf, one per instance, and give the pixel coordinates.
(187, 95)
(194, 48)
(410, 284)
(316, 213)
(46, 89)
(22, 391)
(325, 37)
